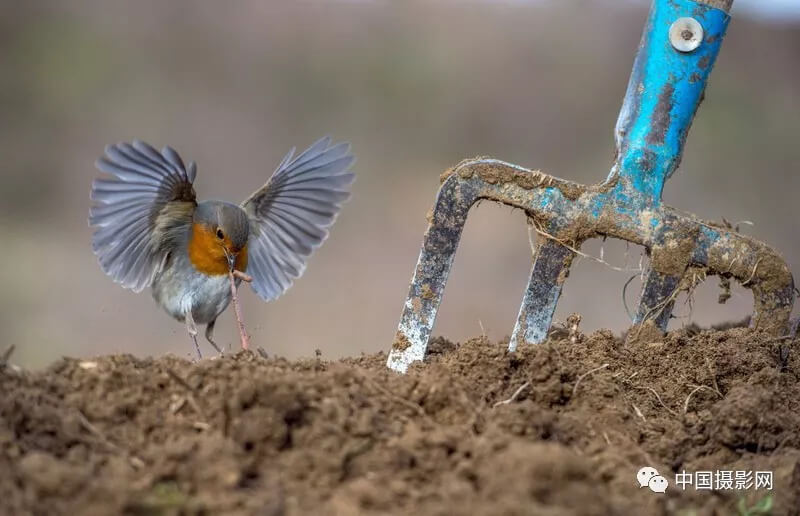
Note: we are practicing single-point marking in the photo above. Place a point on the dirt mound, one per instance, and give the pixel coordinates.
(560, 428)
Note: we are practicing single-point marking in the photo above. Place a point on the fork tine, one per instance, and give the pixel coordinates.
(550, 268)
(433, 267)
(657, 299)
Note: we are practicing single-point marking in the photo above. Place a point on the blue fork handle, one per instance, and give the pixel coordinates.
(664, 92)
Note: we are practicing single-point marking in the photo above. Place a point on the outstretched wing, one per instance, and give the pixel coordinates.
(290, 215)
(138, 212)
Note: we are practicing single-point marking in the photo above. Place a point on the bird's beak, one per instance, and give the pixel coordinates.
(231, 259)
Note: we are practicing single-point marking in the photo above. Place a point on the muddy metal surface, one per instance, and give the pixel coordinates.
(248, 435)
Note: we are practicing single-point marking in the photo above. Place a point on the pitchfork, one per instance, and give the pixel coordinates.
(680, 43)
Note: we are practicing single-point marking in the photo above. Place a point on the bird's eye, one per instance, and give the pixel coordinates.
(220, 234)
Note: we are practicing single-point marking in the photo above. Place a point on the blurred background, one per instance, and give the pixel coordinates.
(416, 87)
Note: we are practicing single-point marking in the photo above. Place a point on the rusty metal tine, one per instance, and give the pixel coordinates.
(430, 276)
(550, 268)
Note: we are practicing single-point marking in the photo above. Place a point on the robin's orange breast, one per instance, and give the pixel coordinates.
(207, 252)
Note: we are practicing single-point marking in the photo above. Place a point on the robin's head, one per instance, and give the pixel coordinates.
(218, 242)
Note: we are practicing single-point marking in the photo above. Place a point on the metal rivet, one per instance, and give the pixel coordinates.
(686, 34)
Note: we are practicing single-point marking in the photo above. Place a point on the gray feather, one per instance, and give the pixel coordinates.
(175, 160)
(127, 172)
(127, 156)
(126, 207)
(291, 214)
(286, 159)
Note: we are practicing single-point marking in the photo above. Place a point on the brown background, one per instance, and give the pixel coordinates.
(416, 87)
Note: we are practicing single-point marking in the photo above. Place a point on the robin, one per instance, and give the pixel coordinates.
(150, 231)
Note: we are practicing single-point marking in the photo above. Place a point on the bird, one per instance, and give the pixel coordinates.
(149, 230)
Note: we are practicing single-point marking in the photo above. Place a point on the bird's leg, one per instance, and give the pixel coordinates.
(210, 336)
(242, 332)
(192, 329)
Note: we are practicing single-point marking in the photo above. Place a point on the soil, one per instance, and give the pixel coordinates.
(557, 429)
